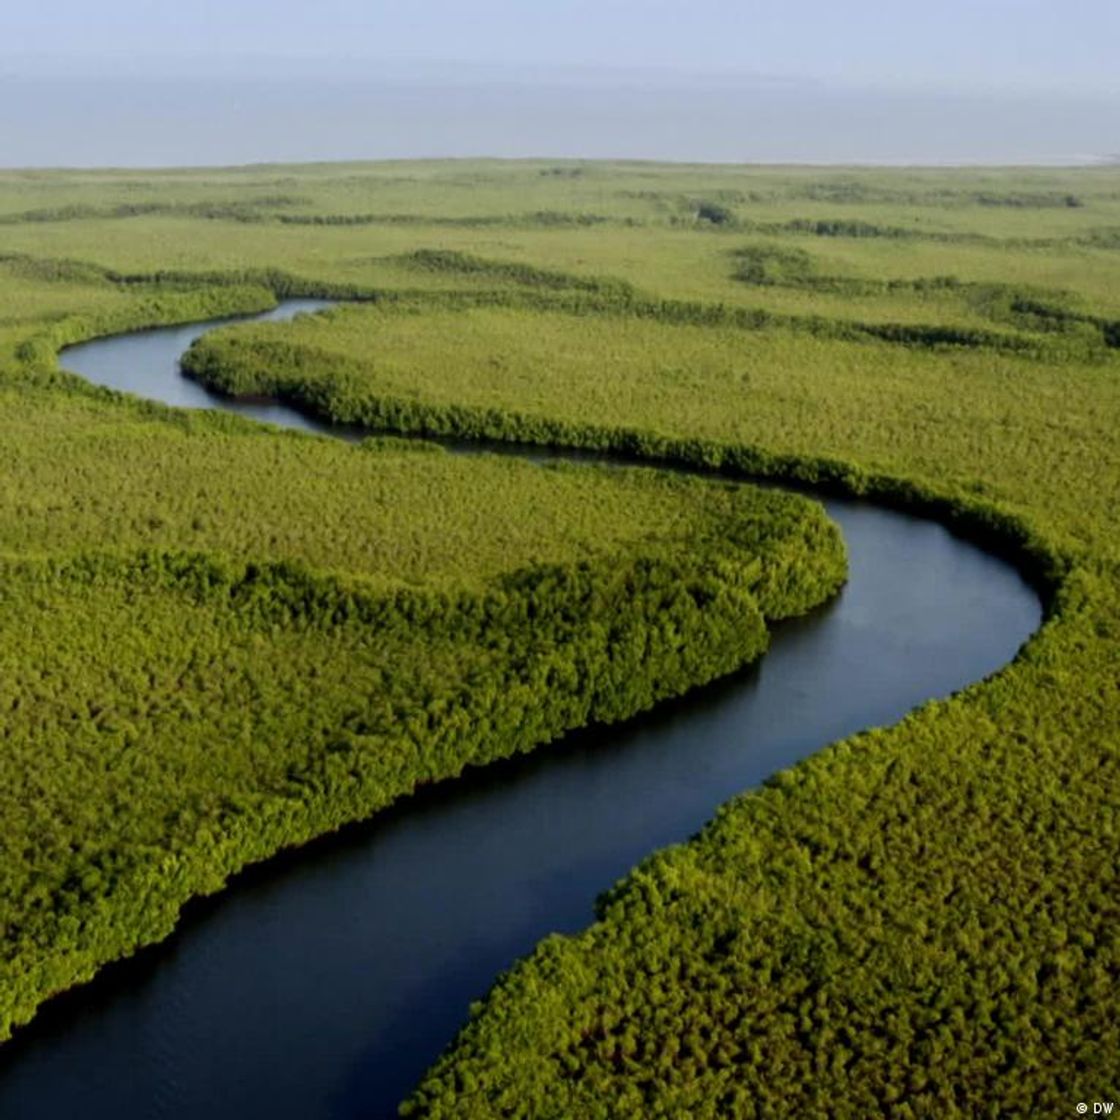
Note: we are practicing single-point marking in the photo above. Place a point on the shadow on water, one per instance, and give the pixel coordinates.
(325, 981)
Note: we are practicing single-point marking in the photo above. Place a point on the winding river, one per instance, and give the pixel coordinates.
(322, 984)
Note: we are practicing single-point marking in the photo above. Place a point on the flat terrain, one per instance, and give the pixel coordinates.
(921, 921)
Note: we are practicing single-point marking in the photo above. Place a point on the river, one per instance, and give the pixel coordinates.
(322, 984)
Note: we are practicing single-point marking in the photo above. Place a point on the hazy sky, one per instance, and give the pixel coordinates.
(1023, 43)
(148, 82)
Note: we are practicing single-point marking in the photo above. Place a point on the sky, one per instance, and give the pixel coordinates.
(76, 74)
(950, 43)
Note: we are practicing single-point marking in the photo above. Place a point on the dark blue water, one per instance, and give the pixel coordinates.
(322, 985)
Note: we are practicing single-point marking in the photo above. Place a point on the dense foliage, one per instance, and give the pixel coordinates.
(921, 921)
(150, 479)
(172, 716)
(221, 639)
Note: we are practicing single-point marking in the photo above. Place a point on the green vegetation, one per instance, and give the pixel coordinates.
(171, 716)
(398, 515)
(921, 921)
(223, 639)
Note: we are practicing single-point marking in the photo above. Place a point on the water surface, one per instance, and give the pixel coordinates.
(68, 119)
(321, 985)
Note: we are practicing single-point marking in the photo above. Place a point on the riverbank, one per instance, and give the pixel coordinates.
(999, 435)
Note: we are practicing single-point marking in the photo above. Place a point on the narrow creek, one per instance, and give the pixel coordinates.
(322, 984)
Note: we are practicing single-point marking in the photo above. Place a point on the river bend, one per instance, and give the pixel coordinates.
(322, 984)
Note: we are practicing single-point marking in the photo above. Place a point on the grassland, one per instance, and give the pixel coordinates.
(921, 921)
